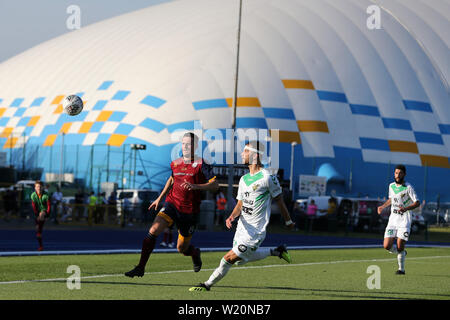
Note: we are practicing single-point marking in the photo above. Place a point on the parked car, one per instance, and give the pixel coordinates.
(139, 200)
(67, 208)
(432, 213)
(365, 214)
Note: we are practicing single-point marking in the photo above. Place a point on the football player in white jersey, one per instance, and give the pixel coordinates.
(255, 194)
(402, 199)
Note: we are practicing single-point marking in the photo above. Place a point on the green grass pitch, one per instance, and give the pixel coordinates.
(313, 274)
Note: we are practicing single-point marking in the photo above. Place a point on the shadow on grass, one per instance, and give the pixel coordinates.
(371, 297)
(351, 294)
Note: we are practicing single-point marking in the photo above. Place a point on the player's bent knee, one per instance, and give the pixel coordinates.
(158, 226)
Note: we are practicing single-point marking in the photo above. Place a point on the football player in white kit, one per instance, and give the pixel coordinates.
(402, 199)
(255, 194)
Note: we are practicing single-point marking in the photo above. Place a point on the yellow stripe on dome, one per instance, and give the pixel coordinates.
(312, 126)
(285, 136)
(10, 143)
(104, 116)
(50, 140)
(85, 127)
(6, 132)
(244, 102)
(2, 110)
(65, 127)
(403, 146)
(434, 161)
(298, 84)
(116, 140)
(59, 109)
(33, 121)
(58, 99)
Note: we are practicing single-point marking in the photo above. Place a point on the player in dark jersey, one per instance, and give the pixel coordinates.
(190, 176)
(40, 201)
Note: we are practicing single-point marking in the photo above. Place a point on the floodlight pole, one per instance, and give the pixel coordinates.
(291, 185)
(233, 124)
(61, 162)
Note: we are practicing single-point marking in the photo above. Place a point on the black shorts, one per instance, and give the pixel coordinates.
(186, 223)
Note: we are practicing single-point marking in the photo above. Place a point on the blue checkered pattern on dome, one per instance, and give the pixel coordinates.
(17, 116)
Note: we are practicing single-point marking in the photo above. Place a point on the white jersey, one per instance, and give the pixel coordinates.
(256, 192)
(401, 195)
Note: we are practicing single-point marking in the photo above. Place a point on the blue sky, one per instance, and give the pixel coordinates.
(26, 23)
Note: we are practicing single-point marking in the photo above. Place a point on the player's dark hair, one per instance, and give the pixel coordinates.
(401, 167)
(39, 182)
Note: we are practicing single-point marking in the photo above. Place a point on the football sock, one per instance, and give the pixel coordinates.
(219, 273)
(147, 247)
(39, 239)
(259, 254)
(401, 260)
(170, 237)
(165, 237)
(191, 251)
(39, 227)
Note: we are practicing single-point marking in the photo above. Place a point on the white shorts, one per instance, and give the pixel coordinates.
(395, 232)
(244, 245)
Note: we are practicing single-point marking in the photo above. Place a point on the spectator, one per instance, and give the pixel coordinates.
(332, 204)
(102, 202)
(79, 204)
(112, 204)
(57, 198)
(126, 207)
(312, 209)
(67, 211)
(311, 212)
(168, 238)
(92, 207)
(221, 203)
(331, 215)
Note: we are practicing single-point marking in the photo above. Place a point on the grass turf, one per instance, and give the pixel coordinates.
(313, 274)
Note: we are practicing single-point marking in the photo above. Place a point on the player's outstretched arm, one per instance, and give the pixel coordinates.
(236, 213)
(166, 189)
(284, 211)
(384, 205)
(211, 185)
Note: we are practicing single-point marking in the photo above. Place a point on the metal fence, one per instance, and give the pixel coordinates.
(80, 214)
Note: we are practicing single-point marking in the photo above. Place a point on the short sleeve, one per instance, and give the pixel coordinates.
(412, 194)
(240, 192)
(390, 192)
(274, 186)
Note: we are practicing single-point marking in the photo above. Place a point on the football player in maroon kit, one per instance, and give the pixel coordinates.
(190, 176)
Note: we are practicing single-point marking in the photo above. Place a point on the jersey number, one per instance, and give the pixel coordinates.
(247, 210)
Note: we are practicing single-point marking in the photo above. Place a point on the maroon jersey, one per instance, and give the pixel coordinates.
(196, 172)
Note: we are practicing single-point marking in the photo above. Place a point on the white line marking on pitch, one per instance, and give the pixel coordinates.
(235, 268)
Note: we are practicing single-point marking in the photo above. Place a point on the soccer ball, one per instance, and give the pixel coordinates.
(72, 105)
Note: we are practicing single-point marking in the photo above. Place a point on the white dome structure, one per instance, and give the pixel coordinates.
(361, 99)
